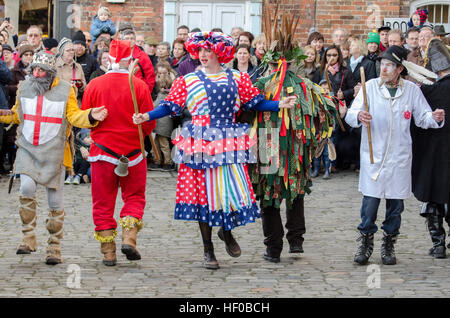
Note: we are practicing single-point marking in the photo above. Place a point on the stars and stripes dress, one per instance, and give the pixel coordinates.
(213, 150)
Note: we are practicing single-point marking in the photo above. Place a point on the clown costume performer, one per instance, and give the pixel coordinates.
(45, 109)
(213, 185)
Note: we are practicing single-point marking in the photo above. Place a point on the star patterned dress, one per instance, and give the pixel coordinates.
(213, 150)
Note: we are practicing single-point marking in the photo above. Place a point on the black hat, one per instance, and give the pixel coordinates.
(396, 54)
(50, 43)
(7, 47)
(79, 38)
(383, 28)
(440, 30)
(437, 56)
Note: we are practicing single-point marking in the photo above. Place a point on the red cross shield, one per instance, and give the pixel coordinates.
(42, 119)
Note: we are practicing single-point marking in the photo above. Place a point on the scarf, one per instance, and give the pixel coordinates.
(354, 62)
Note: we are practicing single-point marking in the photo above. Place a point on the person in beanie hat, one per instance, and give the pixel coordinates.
(45, 109)
(51, 45)
(392, 101)
(430, 149)
(373, 49)
(8, 56)
(115, 137)
(213, 107)
(102, 23)
(82, 56)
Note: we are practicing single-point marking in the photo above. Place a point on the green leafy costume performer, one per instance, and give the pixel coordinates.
(287, 140)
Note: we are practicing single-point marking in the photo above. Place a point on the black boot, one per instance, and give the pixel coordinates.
(387, 249)
(231, 246)
(435, 223)
(210, 261)
(365, 249)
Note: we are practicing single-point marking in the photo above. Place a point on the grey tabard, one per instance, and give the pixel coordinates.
(43, 162)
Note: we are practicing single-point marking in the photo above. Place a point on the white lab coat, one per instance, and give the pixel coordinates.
(390, 175)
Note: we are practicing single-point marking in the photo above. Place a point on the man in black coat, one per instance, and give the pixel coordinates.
(431, 153)
(87, 61)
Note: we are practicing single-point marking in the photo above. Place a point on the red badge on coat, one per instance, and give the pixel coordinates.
(407, 114)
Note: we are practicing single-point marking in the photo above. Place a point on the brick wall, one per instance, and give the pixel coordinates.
(356, 16)
(146, 15)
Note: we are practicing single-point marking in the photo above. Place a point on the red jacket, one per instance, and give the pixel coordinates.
(145, 64)
(117, 132)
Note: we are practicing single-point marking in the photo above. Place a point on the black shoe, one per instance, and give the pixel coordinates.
(272, 259)
(365, 249)
(294, 248)
(387, 249)
(131, 253)
(438, 252)
(167, 168)
(153, 167)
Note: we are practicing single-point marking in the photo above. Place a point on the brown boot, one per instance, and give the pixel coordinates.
(231, 246)
(131, 227)
(54, 224)
(27, 211)
(108, 246)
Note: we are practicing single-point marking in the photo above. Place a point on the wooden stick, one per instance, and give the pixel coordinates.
(133, 70)
(366, 107)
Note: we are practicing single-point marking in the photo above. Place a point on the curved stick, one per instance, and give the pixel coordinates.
(133, 70)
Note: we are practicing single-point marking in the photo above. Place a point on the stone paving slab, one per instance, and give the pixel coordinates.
(171, 264)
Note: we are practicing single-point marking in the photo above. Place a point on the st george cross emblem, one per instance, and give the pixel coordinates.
(42, 119)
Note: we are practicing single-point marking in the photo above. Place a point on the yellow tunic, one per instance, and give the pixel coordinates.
(74, 115)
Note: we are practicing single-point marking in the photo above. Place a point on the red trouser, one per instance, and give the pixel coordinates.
(105, 184)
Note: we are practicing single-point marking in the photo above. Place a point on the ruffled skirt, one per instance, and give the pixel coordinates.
(220, 196)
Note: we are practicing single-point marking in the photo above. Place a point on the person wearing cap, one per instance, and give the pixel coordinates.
(214, 187)
(116, 137)
(384, 41)
(45, 109)
(87, 61)
(102, 23)
(67, 68)
(439, 30)
(373, 50)
(150, 45)
(430, 149)
(392, 101)
(8, 56)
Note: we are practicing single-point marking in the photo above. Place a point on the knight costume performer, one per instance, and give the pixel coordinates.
(290, 139)
(213, 185)
(392, 101)
(431, 152)
(45, 109)
(113, 139)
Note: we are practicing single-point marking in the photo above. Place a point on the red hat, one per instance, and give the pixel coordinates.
(119, 50)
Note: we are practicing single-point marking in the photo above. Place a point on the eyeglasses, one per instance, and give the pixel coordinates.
(332, 55)
(33, 35)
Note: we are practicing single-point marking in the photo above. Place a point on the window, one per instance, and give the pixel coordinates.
(437, 13)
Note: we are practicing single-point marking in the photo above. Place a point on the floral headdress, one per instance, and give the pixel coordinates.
(219, 43)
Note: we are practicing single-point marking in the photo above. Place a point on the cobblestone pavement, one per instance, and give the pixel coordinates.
(172, 253)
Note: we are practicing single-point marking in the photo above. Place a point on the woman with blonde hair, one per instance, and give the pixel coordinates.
(259, 46)
(312, 62)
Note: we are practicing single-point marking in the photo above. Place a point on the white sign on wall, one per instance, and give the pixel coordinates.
(397, 23)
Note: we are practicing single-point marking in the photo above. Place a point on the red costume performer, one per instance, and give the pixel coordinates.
(115, 137)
